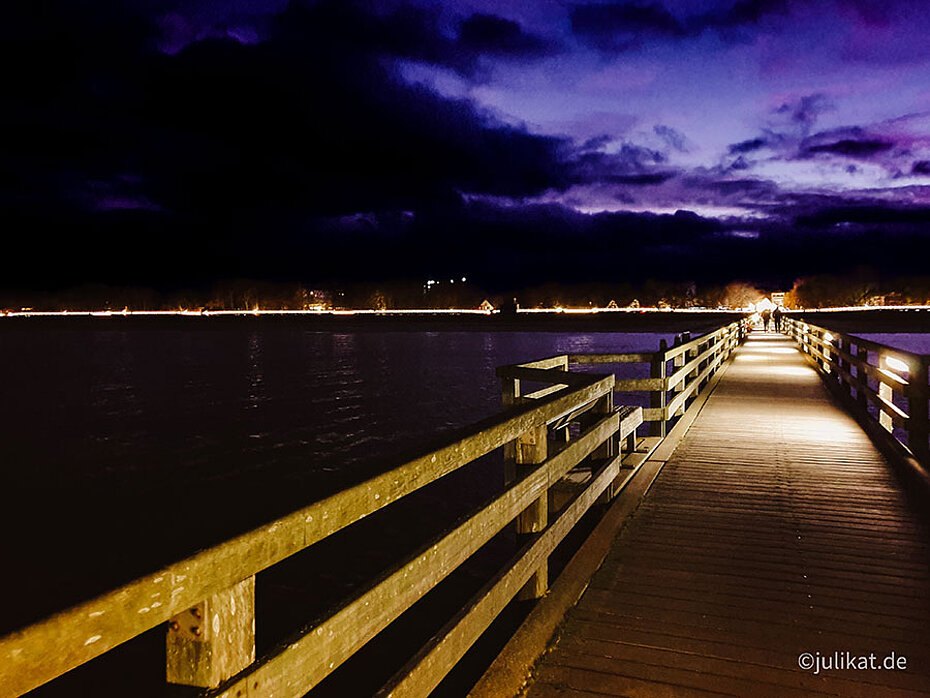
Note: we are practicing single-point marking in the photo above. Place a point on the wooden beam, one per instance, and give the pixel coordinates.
(532, 449)
(215, 639)
(657, 399)
(628, 358)
(543, 375)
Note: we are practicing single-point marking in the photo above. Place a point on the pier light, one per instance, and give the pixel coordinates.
(897, 364)
(827, 337)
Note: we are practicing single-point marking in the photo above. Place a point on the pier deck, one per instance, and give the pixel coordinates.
(776, 528)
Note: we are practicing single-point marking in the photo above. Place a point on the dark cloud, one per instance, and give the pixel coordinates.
(739, 164)
(490, 34)
(225, 151)
(640, 179)
(744, 12)
(619, 25)
(632, 164)
(748, 146)
(616, 26)
(299, 152)
(852, 148)
(748, 188)
(864, 216)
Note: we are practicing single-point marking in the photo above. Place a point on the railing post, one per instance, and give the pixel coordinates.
(658, 398)
(918, 424)
(887, 392)
(842, 347)
(677, 363)
(510, 396)
(213, 640)
(603, 407)
(827, 352)
(862, 379)
(531, 450)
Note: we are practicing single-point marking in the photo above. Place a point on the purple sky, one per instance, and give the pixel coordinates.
(753, 129)
(802, 97)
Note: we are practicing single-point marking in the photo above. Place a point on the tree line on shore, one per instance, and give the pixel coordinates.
(244, 294)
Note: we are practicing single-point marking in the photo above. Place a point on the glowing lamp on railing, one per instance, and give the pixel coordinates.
(827, 337)
(897, 365)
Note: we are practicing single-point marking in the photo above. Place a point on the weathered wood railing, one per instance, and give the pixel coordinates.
(892, 380)
(206, 602)
(677, 374)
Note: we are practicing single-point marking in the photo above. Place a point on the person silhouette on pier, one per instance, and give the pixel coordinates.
(776, 316)
(766, 319)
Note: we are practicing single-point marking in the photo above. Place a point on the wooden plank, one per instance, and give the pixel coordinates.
(627, 358)
(657, 400)
(544, 375)
(558, 361)
(214, 640)
(544, 392)
(532, 449)
(89, 629)
(639, 384)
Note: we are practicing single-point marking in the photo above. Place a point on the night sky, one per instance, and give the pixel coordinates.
(178, 142)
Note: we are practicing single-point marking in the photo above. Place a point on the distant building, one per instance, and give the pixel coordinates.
(486, 306)
(612, 304)
(317, 300)
(635, 303)
(778, 298)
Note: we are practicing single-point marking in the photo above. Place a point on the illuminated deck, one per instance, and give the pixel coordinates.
(776, 528)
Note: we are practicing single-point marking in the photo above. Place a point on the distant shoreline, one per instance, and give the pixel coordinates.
(850, 320)
(646, 320)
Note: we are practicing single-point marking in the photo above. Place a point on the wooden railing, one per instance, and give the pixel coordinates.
(206, 602)
(677, 374)
(890, 380)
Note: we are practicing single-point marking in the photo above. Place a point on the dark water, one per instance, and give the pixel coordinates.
(125, 448)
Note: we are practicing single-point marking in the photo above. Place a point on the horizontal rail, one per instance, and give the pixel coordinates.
(690, 356)
(631, 358)
(543, 375)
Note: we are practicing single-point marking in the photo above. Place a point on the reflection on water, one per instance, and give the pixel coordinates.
(212, 404)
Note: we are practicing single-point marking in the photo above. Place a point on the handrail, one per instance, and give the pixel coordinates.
(202, 597)
(694, 361)
(897, 385)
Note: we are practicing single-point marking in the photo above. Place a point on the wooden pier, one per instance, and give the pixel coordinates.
(776, 528)
(773, 526)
